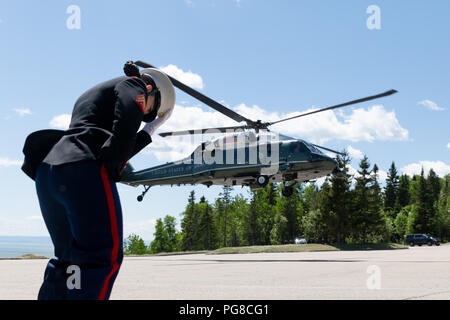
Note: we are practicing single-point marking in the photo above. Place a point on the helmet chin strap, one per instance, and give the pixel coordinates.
(149, 117)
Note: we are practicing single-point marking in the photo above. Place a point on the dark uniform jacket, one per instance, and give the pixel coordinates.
(104, 126)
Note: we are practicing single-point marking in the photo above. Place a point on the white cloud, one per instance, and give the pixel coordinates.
(61, 121)
(143, 229)
(30, 226)
(5, 162)
(189, 78)
(22, 112)
(372, 124)
(448, 145)
(431, 105)
(35, 218)
(382, 176)
(355, 153)
(439, 167)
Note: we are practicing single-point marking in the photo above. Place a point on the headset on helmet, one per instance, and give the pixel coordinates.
(161, 88)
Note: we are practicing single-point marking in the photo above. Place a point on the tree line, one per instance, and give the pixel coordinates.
(344, 209)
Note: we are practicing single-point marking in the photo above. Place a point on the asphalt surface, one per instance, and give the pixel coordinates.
(415, 273)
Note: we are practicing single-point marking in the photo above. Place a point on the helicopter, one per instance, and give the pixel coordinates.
(248, 155)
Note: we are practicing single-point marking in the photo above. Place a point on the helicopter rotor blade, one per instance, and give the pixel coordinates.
(384, 94)
(202, 131)
(199, 96)
(331, 150)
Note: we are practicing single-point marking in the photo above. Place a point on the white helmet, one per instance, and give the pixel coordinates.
(165, 88)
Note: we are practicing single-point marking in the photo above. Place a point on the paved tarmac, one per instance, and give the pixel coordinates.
(415, 273)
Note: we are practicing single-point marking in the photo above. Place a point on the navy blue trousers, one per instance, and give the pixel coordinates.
(82, 212)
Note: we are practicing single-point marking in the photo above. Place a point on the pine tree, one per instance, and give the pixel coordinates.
(327, 233)
(208, 236)
(339, 199)
(403, 196)
(237, 211)
(434, 184)
(414, 189)
(361, 220)
(424, 206)
(170, 233)
(189, 225)
(159, 242)
(252, 226)
(391, 189)
(225, 202)
(377, 221)
(269, 197)
(290, 213)
(443, 213)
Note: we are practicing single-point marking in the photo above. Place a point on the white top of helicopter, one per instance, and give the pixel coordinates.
(242, 139)
(245, 138)
(248, 138)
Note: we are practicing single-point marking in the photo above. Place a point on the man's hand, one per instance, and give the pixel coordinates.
(151, 127)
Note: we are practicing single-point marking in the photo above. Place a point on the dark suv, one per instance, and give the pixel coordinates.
(420, 239)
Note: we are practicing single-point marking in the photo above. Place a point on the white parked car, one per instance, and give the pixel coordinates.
(300, 241)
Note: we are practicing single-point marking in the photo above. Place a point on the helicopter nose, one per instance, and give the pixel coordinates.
(323, 157)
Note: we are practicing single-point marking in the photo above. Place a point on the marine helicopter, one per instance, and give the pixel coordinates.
(249, 155)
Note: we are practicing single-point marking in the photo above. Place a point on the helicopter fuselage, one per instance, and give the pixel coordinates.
(244, 164)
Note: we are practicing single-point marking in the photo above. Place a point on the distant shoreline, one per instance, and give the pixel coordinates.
(22, 247)
(28, 256)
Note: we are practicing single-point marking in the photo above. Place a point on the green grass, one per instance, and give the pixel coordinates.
(370, 246)
(31, 256)
(25, 256)
(276, 248)
(310, 248)
(176, 253)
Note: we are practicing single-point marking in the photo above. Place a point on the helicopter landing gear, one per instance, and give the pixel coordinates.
(288, 190)
(262, 181)
(141, 197)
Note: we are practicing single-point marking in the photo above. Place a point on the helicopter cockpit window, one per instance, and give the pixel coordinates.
(313, 149)
(297, 147)
(199, 149)
(251, 137)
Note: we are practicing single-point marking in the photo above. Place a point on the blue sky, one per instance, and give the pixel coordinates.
(265, 59)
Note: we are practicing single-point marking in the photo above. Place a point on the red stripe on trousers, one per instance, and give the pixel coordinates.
(114, 232)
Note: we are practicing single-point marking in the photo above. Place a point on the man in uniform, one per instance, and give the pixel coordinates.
(75, 173)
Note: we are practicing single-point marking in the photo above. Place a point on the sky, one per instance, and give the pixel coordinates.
(266, 60)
